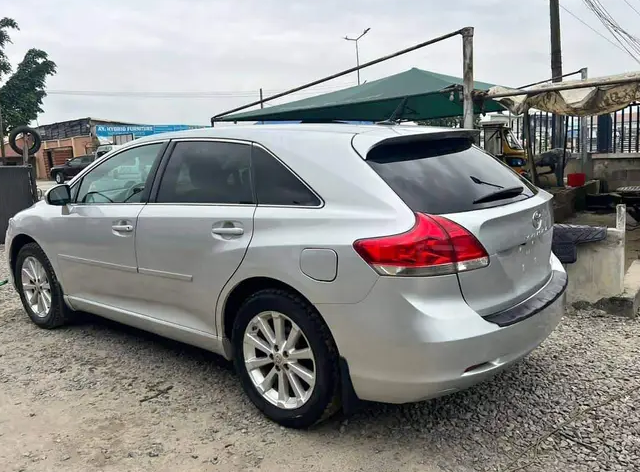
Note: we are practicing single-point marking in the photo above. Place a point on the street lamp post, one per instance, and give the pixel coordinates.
(355, 40)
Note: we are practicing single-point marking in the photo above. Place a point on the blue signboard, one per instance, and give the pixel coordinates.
(138, 131)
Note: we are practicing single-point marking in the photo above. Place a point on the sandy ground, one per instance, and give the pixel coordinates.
(97, 396)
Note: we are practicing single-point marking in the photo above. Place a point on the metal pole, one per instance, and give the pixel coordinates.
(261, 102)
(586, 165)
(569, 74)
(526, 125)
(556, 60)
(25, 150)
(557, 88)
(467, 78)
(344, 72)
(358, 61)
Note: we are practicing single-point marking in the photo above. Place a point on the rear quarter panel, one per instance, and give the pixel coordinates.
(356, 204)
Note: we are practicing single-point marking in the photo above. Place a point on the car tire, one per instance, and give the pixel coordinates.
(322, 399)
(32, 258)
(58, 177)
(13, 136)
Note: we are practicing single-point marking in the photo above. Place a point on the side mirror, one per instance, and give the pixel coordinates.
(60, 195)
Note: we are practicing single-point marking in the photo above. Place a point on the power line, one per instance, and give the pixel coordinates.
(628, 41)
(632, 7)
(592, 28)
(186, 94)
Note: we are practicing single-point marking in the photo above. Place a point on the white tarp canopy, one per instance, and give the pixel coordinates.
(589, 97)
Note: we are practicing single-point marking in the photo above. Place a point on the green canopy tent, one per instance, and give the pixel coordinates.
(428, 95)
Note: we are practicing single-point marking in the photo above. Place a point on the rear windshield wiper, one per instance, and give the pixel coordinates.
(503, 194)
(476, 180)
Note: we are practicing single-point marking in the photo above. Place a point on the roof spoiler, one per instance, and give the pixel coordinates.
(472, 135)
(364, 143)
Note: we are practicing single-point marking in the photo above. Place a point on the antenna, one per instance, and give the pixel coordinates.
(394, 119)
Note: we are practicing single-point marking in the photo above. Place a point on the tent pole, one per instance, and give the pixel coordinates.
(585, 140)
(344, 72)
(558, 88)
(467, 78)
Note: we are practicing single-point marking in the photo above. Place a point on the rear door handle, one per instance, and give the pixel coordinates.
(122, 228)
(234, 231)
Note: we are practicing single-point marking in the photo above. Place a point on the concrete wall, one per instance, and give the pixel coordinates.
(81, 145)
(599, 271)
(617, 169)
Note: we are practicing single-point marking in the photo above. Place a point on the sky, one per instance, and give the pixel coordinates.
(229, 49)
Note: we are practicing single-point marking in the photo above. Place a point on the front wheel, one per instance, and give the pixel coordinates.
(39, 289)
(59, 178)
(286, 359)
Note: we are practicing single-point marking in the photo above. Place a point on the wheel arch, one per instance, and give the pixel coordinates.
(17, 243)
(245, 289)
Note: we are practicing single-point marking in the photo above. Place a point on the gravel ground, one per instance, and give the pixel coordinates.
(100, 396)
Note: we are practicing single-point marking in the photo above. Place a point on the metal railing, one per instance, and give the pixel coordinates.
(614, 133)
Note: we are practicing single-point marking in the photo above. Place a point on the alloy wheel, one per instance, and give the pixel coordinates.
(279, 360)
(36, 286)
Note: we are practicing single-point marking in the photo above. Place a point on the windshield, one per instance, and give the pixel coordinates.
(447, 176)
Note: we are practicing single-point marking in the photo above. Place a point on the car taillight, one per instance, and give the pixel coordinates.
(434, 246)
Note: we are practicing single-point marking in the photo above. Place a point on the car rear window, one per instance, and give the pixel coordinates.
(446, 176)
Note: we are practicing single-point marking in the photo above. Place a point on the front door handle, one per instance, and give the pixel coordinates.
(122, 228)
(232, 231)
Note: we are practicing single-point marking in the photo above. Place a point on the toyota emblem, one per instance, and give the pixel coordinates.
(536, 220)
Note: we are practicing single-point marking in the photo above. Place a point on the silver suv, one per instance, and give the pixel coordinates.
(330, 262)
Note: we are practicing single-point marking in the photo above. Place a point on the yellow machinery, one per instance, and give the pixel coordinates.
(500, 141)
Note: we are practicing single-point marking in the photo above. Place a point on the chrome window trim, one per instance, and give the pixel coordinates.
(247, 143)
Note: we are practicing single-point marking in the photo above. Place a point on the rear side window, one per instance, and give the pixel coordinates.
(277, 185)
(207, 172)
(447, 176)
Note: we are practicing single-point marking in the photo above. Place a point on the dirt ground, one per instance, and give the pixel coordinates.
(97, 396)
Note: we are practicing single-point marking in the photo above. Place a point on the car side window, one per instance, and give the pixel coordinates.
(207, 172)
(275, 184)
(75, 162)
(121, 178)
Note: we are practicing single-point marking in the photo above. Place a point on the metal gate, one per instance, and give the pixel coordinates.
(15, 194)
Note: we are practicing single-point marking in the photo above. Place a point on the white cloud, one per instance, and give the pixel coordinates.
(242, 45)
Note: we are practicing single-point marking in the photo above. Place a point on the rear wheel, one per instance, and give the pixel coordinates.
(39, 289)
(286, 359)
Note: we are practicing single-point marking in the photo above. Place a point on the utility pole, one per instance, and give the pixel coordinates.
(357, 52)
(556, 64)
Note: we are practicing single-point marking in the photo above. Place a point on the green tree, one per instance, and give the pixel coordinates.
(5, 25)
(22, 93)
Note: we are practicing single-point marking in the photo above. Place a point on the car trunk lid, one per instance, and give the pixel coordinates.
(518, 239)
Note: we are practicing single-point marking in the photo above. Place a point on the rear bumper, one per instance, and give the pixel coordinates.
(423, 343)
